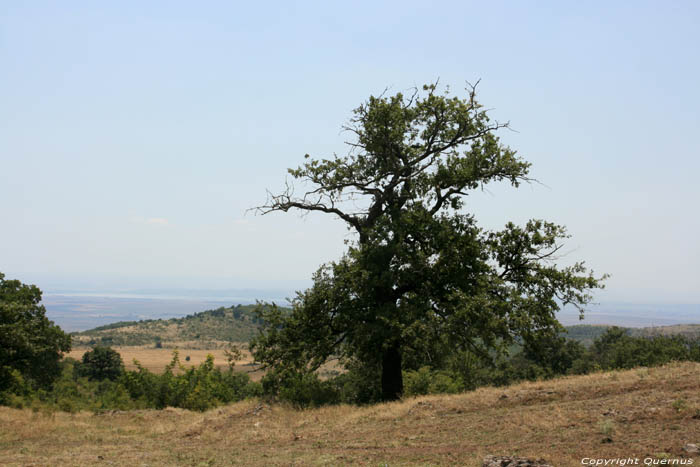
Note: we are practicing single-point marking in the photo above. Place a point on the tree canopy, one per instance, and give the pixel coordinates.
(29, 343)
(101, 363)
(420, 278)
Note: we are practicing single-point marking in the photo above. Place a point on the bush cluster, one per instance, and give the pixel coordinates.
(100, 382)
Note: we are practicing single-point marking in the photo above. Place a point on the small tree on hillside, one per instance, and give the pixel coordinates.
(102, 363)
(421, 276)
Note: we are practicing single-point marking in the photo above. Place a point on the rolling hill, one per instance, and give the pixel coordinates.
(207, 329)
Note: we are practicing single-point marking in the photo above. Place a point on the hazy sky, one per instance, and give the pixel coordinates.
(134, 135)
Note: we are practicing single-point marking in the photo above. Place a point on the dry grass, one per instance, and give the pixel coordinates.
(563, 421)
(155, 360)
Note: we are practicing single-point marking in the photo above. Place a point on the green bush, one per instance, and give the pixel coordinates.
(417, 383)
(195, 388)
(101, 363)
(360, 384)
(301, 390)
(426, 381)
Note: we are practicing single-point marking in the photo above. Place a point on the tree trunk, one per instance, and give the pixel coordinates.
(392, 379)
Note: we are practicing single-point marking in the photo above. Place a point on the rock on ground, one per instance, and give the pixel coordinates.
(691, 448)
(511, 461)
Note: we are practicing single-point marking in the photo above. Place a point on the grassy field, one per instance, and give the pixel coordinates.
(155, 360)
(642, 413)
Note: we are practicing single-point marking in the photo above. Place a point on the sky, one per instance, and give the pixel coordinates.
(135, 136)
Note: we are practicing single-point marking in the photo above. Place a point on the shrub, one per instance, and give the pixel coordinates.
(426, 381)
(101, 363)
(359, 385)
(300, 389)
(417, 383)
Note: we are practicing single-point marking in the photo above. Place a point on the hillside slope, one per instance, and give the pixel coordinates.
(641, 413)
(209, 328)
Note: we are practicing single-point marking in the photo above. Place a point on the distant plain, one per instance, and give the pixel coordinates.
(78, 312)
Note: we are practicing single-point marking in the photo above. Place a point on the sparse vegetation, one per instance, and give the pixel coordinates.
(607, 427)
(679, 405)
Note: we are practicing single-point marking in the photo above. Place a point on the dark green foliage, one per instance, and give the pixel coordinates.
(617, 349)
(31, 346)
(300, 389)
(555, 354)
(193, 388)
(361, 384)
(426, 381)
(101, 363)
(420, 271)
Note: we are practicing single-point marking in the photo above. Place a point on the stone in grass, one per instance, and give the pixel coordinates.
(512, 461)
(691, 448)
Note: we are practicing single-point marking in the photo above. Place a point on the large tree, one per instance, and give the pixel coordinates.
(419, 270)
(29, 343)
